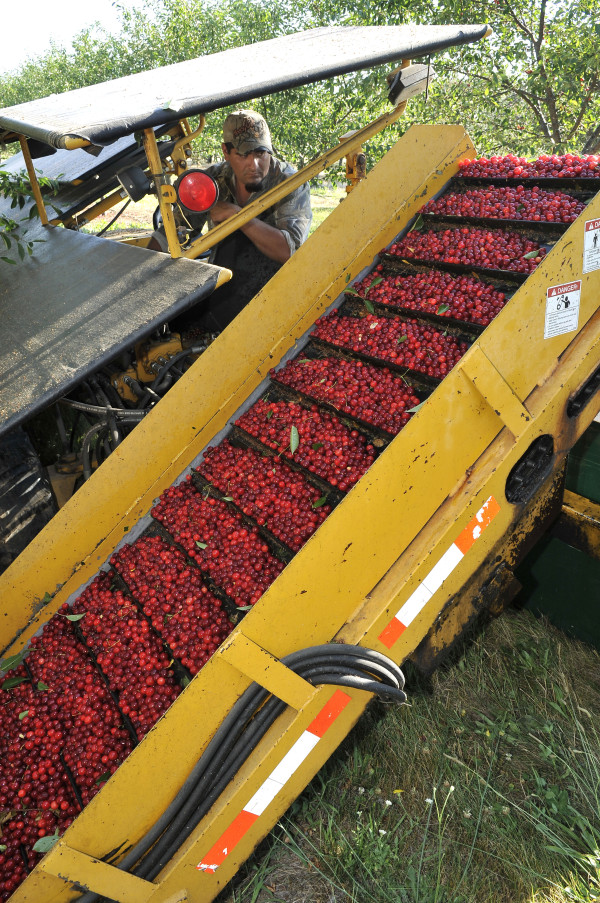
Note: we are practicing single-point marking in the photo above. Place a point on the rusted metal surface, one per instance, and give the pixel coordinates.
(579, 524)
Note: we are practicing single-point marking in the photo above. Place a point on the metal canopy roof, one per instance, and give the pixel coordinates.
(105, 112)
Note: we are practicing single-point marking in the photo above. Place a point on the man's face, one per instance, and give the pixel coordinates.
(249, 169)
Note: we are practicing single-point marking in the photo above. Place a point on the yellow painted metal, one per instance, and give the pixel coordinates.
(266, 670)
(165, 192)
(107, 203)
(35, 185)
(73, 143)
(182, 149)
(67, 864)
(493, 388)
(579, 524)
(266, 200)
(371, 553)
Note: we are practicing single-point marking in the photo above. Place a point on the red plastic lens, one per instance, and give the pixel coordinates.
(197, 191)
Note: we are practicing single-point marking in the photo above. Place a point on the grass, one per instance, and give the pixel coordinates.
(486, 788)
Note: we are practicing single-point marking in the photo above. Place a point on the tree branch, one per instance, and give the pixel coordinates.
(584, 107)
(524, 28)
(592, 141)
(542, 24)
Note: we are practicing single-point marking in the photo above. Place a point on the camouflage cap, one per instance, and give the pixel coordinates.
(247, 131)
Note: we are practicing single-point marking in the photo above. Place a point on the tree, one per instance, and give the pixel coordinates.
(532, 87)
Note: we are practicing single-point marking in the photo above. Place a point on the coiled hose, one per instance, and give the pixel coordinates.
(239, 734)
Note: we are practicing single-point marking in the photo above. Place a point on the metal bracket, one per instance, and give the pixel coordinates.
(492, 387)
(263, 668)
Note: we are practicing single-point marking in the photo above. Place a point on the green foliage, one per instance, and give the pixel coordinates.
(532, 87)
(12, 233)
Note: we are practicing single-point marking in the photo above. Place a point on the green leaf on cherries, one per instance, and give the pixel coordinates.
(269, 414)
(376, 281)
(13, 661)
(243, 607)
(201, 545)
(443, 308)
(402, 338)
(319, 502)
(418, 224)
(227, 498)
(353, 292)
(103, 777)
(185, 681)
(416, 408)
(294, 439)
(369, 306)
(530, 255)
(23, 714)
(42, 686)
(2, 847)
(13, 682)
(304, 360)
(46, 843)
(75, 618)
(316, 446)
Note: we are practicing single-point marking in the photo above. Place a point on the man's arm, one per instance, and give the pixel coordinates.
(269, 240)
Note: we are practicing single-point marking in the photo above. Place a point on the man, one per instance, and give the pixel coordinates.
(257, 250)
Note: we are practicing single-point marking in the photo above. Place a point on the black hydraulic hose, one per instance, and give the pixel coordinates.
(115, 218)
(102, 409)
(239, 734)
(181, 828)
(94, 430)
(87, 439)
(111, 422)
(164, 370)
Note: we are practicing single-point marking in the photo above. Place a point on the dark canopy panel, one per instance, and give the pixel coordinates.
(77, 304)
(105, 112)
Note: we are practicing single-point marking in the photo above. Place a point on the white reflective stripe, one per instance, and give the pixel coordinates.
(303, 746)
(414, 604)
(292, 760)
(264, 795)
(443, 568)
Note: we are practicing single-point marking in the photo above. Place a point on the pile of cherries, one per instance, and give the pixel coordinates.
(92, 747)
(174, 597)
(321, 443)
(463, 298)
(56, 717)
(216, 537)
(129, 653)
(406, 343)
(266, 489)
(514, 203)
(370, 393)
(563, 166)
(489, 248)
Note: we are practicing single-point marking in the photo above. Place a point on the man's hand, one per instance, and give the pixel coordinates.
(223, 210)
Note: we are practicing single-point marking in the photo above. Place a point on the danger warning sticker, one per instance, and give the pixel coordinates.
(562, 309)
(591, 246)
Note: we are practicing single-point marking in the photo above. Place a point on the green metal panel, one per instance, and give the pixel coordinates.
(583, 468)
